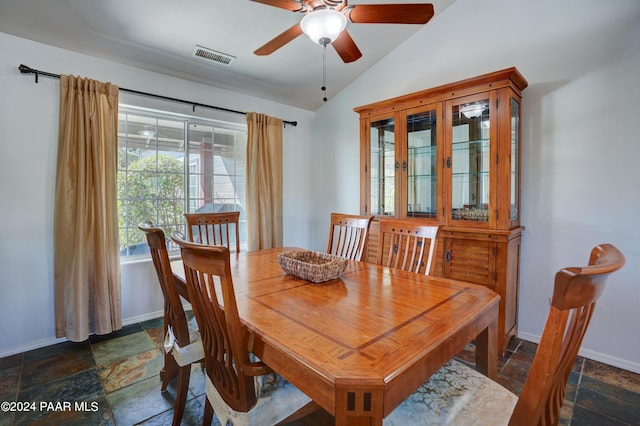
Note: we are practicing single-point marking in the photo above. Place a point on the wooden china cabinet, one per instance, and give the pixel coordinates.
(450, 155)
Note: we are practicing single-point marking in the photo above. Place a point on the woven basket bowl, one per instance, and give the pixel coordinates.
(311, 265)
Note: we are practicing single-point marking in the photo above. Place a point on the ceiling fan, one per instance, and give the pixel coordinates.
(324, 21)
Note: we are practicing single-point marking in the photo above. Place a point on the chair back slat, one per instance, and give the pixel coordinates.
(174, 312)
(407, 244)
(214, 229)
(576, 291)
(225, 340)
(348, 235)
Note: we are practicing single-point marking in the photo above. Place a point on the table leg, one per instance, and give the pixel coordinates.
(487, 351)
(358, 404)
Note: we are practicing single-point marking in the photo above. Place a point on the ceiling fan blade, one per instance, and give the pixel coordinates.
(346, 47)
(279, 41)
(282, 4)
(407, 13)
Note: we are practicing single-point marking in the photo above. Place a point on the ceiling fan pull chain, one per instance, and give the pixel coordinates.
(324, 72)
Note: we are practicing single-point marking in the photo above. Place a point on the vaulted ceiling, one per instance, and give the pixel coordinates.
(161, 35)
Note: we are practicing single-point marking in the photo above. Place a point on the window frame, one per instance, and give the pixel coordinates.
(187, 121)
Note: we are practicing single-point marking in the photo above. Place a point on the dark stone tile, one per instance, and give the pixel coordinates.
(612, 375)
(468, 354)
(193, 411)
(577, 365)
(527, 348)
(10, 377)
(611, 390)
(197, 380)
(571, 388)
(140, 401)
(121, 373)
(512, 385)
(89, 413)
(11, 361)
(79, 387)
(153, 323)
(84, 386)
(565, 413)
(108, 351)
(10, 369)
(583, 417)
(124, 331)
(157, 335)
(512, 344)
(517, 368)
(58, 350)
(6, 419)
(54, 362)
(608, 400)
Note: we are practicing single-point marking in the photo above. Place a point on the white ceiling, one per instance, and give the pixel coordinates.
(160, 35)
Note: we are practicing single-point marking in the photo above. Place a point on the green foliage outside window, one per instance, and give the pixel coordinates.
(151, 189)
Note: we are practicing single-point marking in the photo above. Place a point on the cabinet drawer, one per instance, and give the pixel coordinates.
(469, 260)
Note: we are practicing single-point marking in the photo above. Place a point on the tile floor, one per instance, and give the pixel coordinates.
(113, 380)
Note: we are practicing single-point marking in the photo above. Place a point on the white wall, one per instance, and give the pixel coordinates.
(29, 131)
(581, 140)
(580, 182)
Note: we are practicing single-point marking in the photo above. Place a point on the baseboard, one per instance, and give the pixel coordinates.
(33, 345)
(593, 355)
(55, 340)
(142, 318)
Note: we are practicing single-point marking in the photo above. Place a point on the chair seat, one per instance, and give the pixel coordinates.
(277, 400)
(187, 354)
(455, 395)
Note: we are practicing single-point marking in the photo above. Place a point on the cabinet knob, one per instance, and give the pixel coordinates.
(447, 256)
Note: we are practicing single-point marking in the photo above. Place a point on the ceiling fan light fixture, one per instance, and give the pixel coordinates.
(323, 26)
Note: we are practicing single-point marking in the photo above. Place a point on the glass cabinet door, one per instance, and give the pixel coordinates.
(470, 160)
(382, 167)
(421, 164)
(514, 214)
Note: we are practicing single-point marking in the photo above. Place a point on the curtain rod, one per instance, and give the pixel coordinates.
(28, 70)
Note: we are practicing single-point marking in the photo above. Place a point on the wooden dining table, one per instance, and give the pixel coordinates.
(360, 344)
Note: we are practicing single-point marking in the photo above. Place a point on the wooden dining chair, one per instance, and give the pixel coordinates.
(214, 229)
(182, 339)
(407, 244)
(348, 235)
(458, 395)
(239, 387)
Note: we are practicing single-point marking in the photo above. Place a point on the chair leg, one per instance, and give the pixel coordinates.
(207, 418)
(184, 376)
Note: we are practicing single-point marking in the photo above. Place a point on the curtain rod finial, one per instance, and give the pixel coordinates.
(25, 69)
(28, 70)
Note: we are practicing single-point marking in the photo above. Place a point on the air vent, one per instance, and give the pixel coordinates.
(210, 55)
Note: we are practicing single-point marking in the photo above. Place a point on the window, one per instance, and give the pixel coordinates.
(170, 164)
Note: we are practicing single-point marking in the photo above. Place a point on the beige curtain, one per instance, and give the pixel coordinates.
(86, 260)
(264, 182)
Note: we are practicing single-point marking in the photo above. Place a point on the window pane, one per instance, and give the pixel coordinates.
(150, 177)
(217, 170)
(154, 183)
